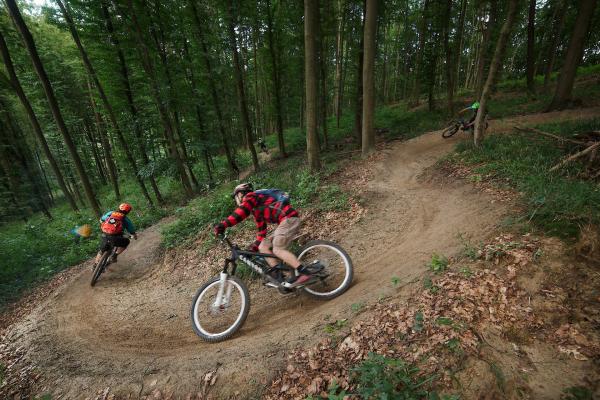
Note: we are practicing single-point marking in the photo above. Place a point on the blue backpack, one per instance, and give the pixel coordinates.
(279, 195)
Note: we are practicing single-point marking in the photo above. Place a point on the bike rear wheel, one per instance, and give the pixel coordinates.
(217, 323)
(450, 131)
(99, 269)
(337, 273)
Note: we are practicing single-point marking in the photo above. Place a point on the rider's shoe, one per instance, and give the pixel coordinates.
(304, 278)
(314, 267)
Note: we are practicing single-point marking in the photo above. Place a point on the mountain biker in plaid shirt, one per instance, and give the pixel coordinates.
(268, 209)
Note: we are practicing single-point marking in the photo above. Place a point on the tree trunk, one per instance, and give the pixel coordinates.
(276, 80)
(358, 122)
(213, 89)
(89, 134)
(111, 114)
(564, 87)
(163, 111)
(310, 78)
(450, 59)
(339, 56)
(422, 33)
(494, 66)
(46, 181)
(459, 45)
(368, 125)
(106, 148)
(37, 129)
(25, 159)
(323, 85)
(203, 135)
(557, 27)
(530, 47)
(237, 72)
(41, 72)
(129, 96)
(485, 49)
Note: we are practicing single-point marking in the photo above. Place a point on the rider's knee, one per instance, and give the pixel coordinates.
(264, 247)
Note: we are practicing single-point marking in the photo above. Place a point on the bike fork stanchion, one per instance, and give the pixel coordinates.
(219, 300)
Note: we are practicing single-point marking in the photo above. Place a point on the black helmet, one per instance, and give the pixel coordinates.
(242, 188)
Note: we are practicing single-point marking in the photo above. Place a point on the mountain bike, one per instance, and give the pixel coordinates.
(461, 123)
(105, 258)
(221, 305)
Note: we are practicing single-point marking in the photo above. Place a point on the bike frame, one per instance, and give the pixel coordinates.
(224, 291)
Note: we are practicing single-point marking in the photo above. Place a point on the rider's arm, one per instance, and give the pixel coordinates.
(240, 213)
(261, 225)
(105, 216)
(129, 226)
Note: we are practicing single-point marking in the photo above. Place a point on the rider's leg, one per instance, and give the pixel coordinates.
(121, 244)
(102, 248)
(265, 247)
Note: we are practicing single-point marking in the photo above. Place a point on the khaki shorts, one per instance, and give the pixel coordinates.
(283, 235)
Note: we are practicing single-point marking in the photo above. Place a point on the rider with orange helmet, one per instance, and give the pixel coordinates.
(113, 225)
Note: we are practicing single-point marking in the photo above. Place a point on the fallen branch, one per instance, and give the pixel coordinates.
(575, 156)
(563, 139)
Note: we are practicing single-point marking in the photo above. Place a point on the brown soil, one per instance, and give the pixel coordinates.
(131, 335)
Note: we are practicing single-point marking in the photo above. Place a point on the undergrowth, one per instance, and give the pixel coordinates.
(381, 377)
(557, 202)
(306, 191)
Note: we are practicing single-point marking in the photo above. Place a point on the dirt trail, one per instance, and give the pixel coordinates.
(132, 333)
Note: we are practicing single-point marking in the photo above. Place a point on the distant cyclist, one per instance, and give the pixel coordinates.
(270, 206)
(113, 225)
(263, 146)
(474, 108)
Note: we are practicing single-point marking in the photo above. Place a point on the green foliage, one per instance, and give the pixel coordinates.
(358, 307)
(306, 190)
(577, 393)
(557, 202)
(380, 377)
(335, 326)
(469, 250)
(428, 284)
(198, 215)
(418, 321)
(35, 251)
(466, 271)
(396, 281)
(332, 198)
(438, 263)
(399, 122)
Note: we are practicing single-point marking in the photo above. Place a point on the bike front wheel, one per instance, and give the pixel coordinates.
(216, 319)
(335, 277)
(450, 131)
(99, 268)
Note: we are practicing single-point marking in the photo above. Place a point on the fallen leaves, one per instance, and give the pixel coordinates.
(433, 329)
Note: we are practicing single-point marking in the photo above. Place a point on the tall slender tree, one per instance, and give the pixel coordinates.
(368, 123)
(124, 71)
(493, 71)
(564, 87)
(163, 111)
(107, 105)
(237, 72)
(310, 78)
(213, 87)
(37, 129)
(530, 47)
(276, 73)
(56, 113)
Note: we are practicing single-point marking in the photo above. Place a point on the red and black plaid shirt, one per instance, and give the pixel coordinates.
(265, 209)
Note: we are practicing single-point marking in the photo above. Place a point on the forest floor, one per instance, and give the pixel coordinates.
(131, 337)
